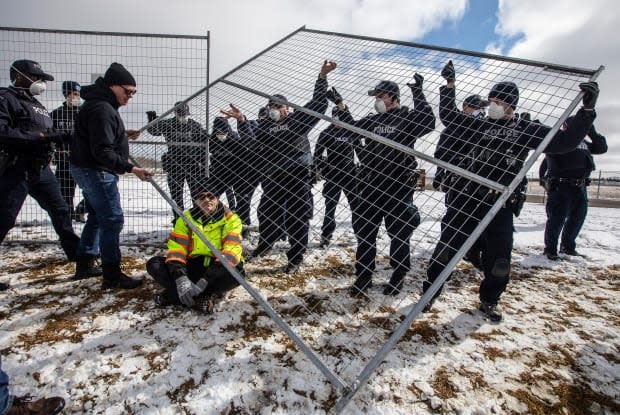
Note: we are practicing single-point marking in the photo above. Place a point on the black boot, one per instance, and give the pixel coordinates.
(395, 286)
(86, 267)
(4, 286)
(113, 277)
(360, 287)
(491, 311)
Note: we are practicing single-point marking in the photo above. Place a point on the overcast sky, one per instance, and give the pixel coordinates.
(568, 32)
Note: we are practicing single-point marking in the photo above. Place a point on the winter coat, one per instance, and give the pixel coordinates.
(64, 118)
(186, 141)
(222, 229)
(100, 141)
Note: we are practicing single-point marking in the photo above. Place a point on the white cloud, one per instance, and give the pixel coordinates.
(570, 32)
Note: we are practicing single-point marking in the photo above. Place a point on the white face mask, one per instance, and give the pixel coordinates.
(221, 137)
(496, 111)
(380, 106)
(76, 101)
(274, 114)
(182, 118)
(36, 87)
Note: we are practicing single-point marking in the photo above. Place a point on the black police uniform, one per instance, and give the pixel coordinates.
(338, 169)
(249, 172)
(499, 149)
(64, 118)
(25, 166)
(284, 153)
(186, 157)
(386, 189)
(567, 177)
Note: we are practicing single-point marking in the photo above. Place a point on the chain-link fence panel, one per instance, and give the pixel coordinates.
(167, 69)
(331, 157)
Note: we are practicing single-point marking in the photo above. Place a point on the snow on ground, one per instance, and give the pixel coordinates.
(556, 352)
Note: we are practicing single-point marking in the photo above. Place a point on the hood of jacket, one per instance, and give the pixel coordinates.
(99, 91)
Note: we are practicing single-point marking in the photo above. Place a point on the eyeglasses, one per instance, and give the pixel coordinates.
(275, 106)
(129, 92)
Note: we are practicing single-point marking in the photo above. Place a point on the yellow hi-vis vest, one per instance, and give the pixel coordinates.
(224, 233)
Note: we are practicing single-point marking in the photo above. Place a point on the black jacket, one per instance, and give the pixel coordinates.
(64, 118)
(284, 145)
(576, 164)
(401, 125)
(22, 119)
(499, 147)
(340, 148)
(99, 141)
(186, 142)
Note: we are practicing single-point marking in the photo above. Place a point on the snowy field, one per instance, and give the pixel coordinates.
(556, 352)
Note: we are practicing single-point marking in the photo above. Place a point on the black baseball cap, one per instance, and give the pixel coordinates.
(281, 98)
(385, 86)
(181, 109)
(475, 101)
(29, 67)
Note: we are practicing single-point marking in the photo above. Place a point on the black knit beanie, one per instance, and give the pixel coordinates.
(507, 92)
(118, 75)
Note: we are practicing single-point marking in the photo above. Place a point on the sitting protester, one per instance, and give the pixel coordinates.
(190, 273)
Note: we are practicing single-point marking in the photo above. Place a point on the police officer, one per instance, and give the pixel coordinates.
(286, 159)
(567, 177)
(500, 144)
(387, 183)
(26, 147)
(64, 118)
(186, 156)
(338, 168)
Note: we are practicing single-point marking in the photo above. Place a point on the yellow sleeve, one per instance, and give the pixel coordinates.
(178, 243)
(231, 238)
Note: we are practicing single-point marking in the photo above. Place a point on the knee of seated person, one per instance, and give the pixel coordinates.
(501, 267)
(155, 265)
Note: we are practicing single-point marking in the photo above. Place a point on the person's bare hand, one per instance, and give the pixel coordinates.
(142, 173)
(132, 134)
(233, 112)
(327, 67)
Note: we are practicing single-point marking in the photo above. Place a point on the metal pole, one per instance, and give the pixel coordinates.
(208, 142)
(598, 186)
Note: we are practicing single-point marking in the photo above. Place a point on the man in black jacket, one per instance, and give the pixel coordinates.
(338, 168)
(26, 147)
(99, 154)
(500, 144)
(387, 181)
(186, 157)
(285, 156)
(566, 178)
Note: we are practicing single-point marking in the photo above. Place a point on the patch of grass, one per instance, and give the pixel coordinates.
(442, 385)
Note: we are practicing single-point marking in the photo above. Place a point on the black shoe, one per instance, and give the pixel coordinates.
(395, 286)
(4, 286)
(113, 277)
(86, 268)
(360, 287)
(44, 406)
(553, 256)
(163, 299)
(324, 242)
(570, 252)
(291, 268)
(261, 250)
(491, 311)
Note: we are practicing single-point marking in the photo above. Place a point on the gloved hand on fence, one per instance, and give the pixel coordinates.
(590, 94)
(186, 290)
(448, 73)
(151, 115)
(526, 116)
(416, 86)
(334, 96)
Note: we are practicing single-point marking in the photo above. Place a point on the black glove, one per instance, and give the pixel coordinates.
(416, 85)
(526, 116)
(590, 94)
(592, 133)
(334, 96)
(151, 115)
(448, 72)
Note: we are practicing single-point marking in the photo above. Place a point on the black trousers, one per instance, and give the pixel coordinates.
(16, 183)
(382, 198)
(462, 216)
(219, 279)
(286, 194)
(180, 173)
(332, 188)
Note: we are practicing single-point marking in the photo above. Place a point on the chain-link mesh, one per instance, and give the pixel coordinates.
(167, 68)
(340, 241)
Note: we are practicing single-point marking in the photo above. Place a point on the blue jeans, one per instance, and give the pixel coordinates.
(5, 398)
(103, 227)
